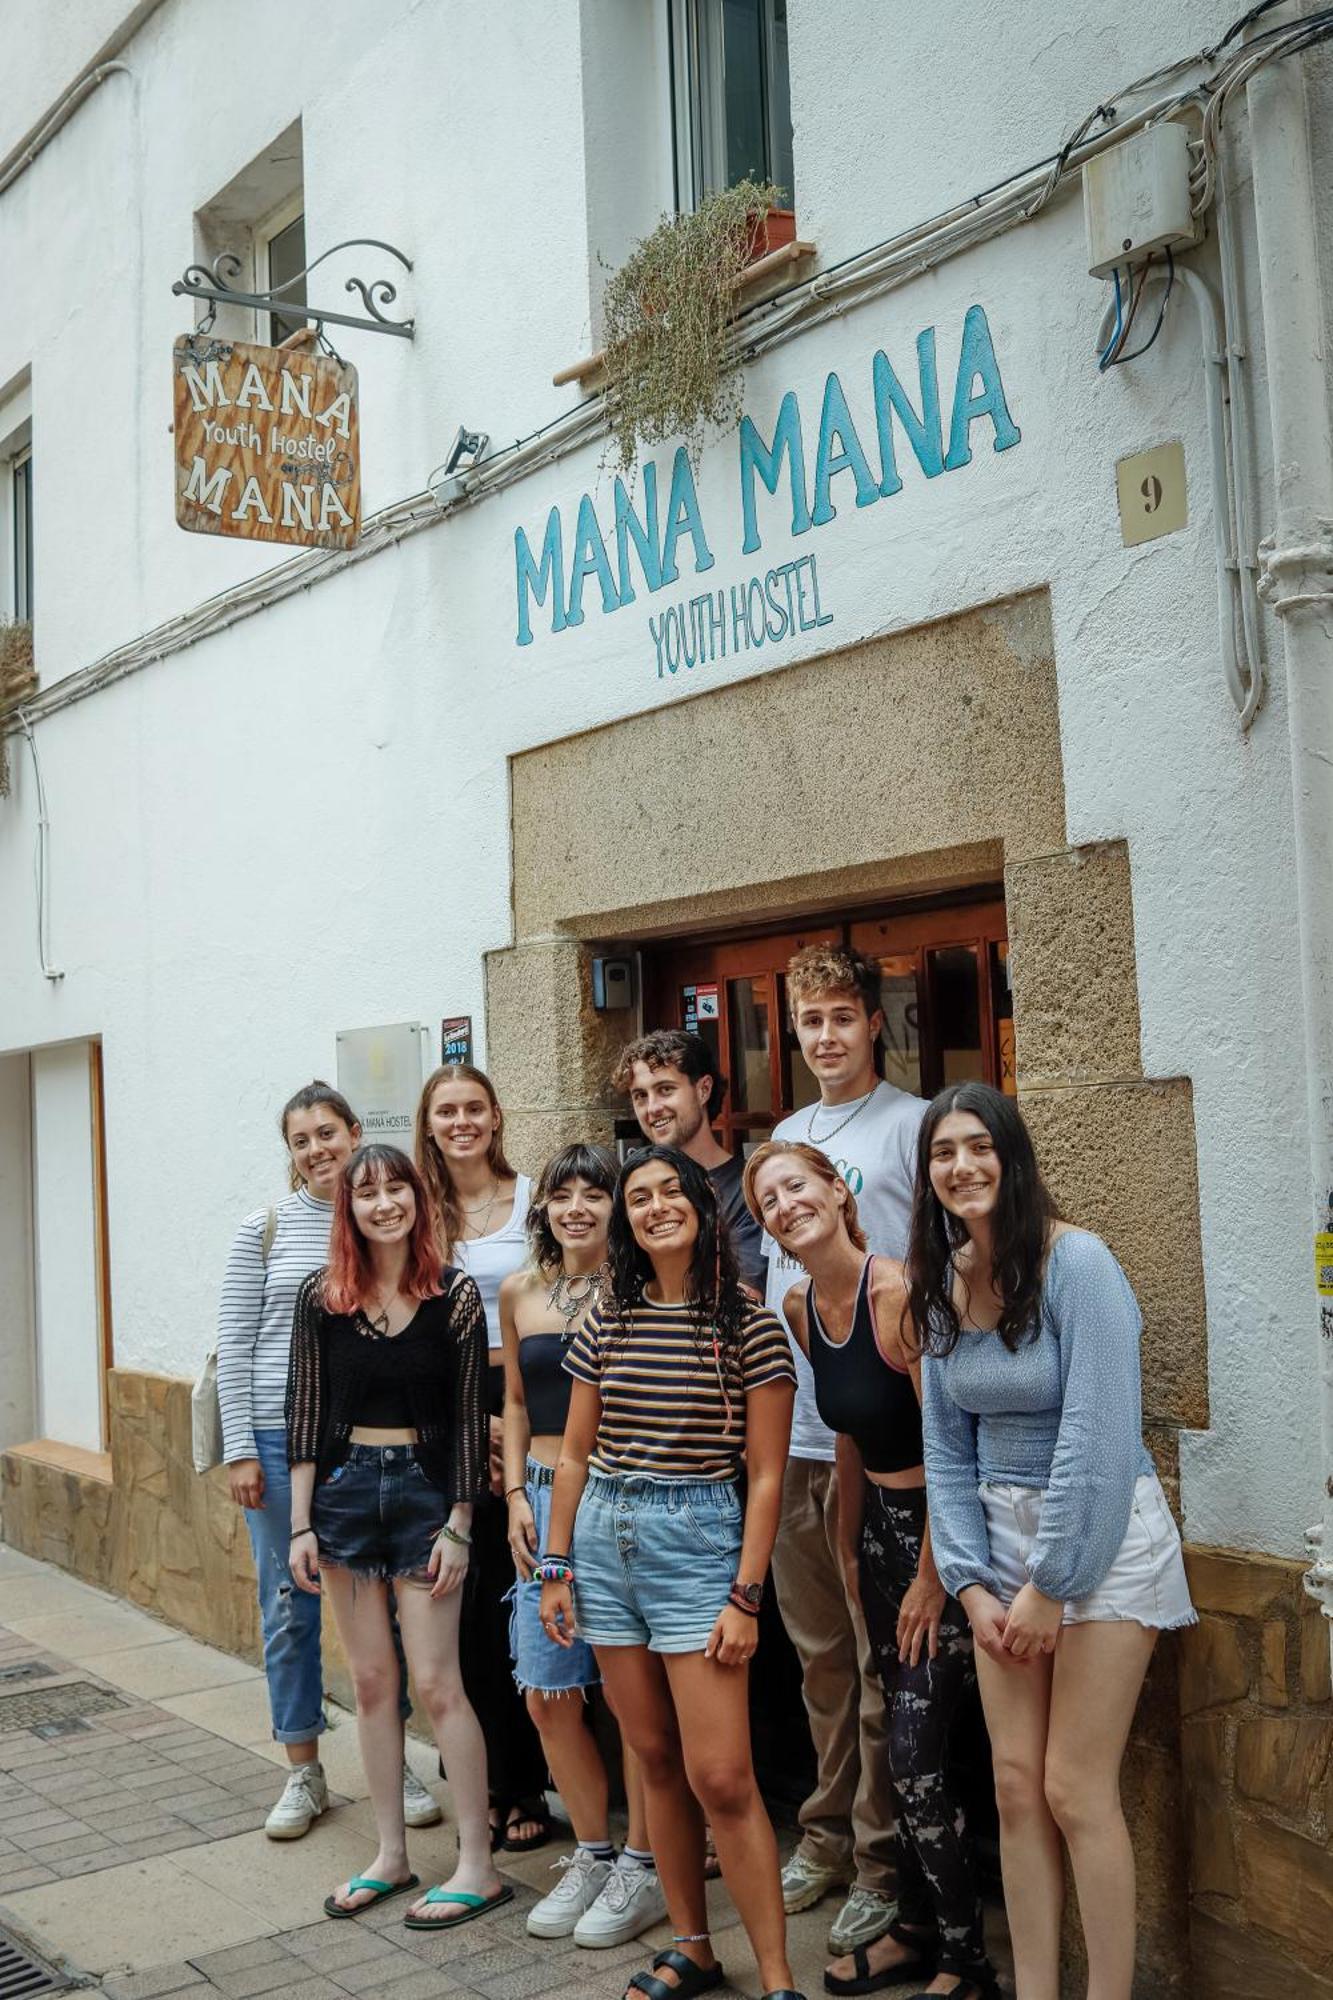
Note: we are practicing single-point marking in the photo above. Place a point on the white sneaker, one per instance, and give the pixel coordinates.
(419, 1808)
(865, 1916)
(581, 1882)
(631, 1902)
(805, 1881)
(304, 1797)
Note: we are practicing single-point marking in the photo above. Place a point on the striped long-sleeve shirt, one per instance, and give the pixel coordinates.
(255, 1316)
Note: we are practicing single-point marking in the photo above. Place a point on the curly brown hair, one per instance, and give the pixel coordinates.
(672, 1048)
(833, 968)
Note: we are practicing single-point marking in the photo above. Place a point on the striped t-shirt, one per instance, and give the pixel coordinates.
(664, 1410)
(255, 1316)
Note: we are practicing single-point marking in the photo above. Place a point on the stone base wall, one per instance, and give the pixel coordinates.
(1257, 1752)
(156, 1533)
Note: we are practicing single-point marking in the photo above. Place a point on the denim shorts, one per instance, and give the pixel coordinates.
(538, 1662)
(377, 1513)
(1146, 1582)
(654, 1560)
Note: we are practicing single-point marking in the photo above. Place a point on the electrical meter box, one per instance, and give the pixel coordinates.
(1136, 199)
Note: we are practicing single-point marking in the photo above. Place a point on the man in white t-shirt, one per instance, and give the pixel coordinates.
(868, 1129)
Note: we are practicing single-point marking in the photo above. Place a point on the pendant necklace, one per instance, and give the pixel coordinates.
(570, 1302)
(483, 1209)
(855, 1112)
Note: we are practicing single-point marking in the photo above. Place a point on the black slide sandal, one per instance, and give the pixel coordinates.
(924, 1966)
(692, 1978)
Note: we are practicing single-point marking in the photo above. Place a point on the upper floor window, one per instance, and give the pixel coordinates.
(282, 259)
(731, 96)
(259, 217)
(21, 509)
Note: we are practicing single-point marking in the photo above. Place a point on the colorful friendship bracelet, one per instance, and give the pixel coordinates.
(553, 1569)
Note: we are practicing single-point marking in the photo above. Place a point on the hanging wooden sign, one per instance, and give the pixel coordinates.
(268, 443)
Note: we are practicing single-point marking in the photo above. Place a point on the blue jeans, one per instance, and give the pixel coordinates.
(290, 1617)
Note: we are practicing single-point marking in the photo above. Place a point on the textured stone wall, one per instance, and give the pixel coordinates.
(1257, 1751)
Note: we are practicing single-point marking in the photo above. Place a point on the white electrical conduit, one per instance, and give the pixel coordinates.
(43, 860)
(20, 161)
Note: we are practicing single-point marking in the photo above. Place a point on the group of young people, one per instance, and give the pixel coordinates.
(533, 1440)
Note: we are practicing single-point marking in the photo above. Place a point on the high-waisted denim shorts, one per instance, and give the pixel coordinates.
(538, 1662)
(1145, 1584)
(654, 1560)
(378, 1514)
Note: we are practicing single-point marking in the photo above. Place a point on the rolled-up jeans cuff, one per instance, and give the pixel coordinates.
(301, 1735)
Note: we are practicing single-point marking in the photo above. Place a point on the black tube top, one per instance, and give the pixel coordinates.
(546, 1386)
(861, 1394)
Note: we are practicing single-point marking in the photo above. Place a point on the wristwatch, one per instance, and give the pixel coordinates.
(753, 1593)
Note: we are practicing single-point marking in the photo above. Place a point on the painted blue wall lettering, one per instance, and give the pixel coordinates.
(649, 538)
(767, 462)
(835, 421)
(978, 360)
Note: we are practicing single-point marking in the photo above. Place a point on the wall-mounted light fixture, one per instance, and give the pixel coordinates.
(449, 481)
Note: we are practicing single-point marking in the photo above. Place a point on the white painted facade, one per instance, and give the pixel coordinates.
(301, 823)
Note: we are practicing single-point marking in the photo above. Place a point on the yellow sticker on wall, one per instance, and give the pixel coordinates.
(1323, 1264)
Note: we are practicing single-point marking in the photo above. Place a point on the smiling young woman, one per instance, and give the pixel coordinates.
(1049, 1521)
(676, 1374)
(850, 1321)
(386, 1435)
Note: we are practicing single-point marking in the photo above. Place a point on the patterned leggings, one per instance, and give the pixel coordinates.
(936, 1873)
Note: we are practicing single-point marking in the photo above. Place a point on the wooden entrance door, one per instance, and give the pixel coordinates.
(948, 1014)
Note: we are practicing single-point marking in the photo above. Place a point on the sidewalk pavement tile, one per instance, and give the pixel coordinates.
(283, 1883)
(162, 1981)
(88, 1635)
(135, 1915)
(44, 1591)
(340, 1754)
(239, 1713)
(14, 1563)
(180, 1666)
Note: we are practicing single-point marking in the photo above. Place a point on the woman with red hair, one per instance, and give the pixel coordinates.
(386, 1435)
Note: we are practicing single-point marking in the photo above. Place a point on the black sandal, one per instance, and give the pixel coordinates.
(924, 1966)
(978, 1982)
(692, 1978)
(538, 1811)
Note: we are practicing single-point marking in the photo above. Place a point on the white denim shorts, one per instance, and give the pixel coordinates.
(1146, 1582)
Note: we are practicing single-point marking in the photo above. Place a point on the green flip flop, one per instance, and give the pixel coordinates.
(383, 1890)
(474, 1906)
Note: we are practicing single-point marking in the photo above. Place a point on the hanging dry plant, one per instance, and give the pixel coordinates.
(17, 681)
(671, 368)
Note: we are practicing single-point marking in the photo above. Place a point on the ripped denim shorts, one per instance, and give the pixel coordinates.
(538, 1661)
(377, 1514)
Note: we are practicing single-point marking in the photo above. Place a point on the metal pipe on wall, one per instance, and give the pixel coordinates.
(1297, 582)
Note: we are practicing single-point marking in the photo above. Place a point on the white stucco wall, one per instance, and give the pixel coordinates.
(69, 1369)
(302, 824)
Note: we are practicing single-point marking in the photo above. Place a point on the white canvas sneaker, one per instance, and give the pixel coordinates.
(419, 1808)
(304, 1797)
(631, 1902)
(581, 1882)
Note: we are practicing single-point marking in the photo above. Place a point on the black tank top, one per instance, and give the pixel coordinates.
(861, 1394)
(546, 1386)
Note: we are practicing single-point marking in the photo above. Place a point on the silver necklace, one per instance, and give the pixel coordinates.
(855, 1112)
(483, 1209)
(570, 1303)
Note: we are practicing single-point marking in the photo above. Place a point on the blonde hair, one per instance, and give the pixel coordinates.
(446, 1209)
(819, 1164)
(833, 968)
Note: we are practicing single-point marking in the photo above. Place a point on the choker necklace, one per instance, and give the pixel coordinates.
(565, 1297)
(853, 1113)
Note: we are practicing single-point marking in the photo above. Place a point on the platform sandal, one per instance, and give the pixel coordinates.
(923, 1966)
(978, 1982)
(691, 1978)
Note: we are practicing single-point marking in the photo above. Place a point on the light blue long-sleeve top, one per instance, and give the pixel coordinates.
(1062, 1414)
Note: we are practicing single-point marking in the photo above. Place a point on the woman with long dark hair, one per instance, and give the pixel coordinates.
(386, 1434)
(274, 1250)
(479, 1204)
(850, 1321)
(1050, 1525)
(676, 1373)
(601, 1898)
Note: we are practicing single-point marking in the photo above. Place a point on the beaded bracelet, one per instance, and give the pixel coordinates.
(553, 1569)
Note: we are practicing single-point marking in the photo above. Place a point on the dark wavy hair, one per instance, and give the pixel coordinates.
(349, 1279)
(579, 1162)
(673, 1048)
(712, 1284)
(1024, 1213)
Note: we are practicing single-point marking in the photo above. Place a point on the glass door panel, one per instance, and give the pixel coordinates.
(750, 1046)
(953, 977)
(902, 1021)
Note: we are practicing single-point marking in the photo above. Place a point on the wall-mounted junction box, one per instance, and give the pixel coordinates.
(1136, 198)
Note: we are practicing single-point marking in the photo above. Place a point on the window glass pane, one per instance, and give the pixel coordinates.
(751, 1076)
(779, 105)
(953, 973)
(798, 1085)
(743, 66)
(286, 257)
(1003, 999)
(902, 1023)
(23, 539)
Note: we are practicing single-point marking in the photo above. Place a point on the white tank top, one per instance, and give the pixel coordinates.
(490, 1259)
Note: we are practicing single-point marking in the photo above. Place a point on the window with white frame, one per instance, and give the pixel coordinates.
(20, 501)
(16, 541)
(259, 217)
(731, 96)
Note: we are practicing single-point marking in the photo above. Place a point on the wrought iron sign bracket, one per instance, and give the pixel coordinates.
(214, 282)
